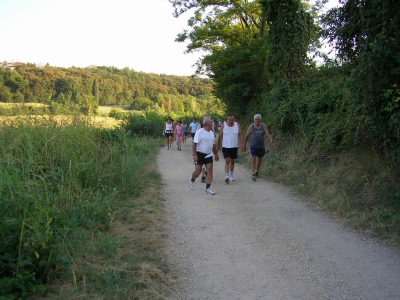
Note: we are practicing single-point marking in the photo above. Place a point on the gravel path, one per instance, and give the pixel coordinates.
(255, 240)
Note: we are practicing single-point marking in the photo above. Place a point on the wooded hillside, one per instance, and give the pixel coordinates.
(89, 87)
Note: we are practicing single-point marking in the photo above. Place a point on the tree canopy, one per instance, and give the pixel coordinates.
(249, 44)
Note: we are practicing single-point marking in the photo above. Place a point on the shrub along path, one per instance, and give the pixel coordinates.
(255, 240)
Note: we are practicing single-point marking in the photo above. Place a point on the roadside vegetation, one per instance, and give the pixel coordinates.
(80, 212)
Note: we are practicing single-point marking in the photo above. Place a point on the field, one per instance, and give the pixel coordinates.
(95, 121)
(105, 110)
(101, 120)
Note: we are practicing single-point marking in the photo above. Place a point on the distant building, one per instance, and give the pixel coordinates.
(10, 65)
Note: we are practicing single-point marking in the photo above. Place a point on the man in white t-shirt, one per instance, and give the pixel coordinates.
(200, 125)
(203, 149)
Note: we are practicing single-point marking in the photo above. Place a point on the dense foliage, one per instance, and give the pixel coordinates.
(82, 90)
(366, 36)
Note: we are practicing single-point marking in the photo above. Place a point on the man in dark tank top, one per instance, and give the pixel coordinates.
(257, 131)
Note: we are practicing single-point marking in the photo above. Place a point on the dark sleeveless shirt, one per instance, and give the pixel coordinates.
(257, 136)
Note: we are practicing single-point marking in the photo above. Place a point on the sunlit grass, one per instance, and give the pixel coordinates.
(61, 120)
(103, 110)
(18, 105)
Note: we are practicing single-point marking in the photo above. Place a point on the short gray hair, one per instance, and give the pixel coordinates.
(257, 115)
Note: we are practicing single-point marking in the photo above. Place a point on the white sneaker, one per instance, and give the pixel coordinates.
(191, 185)
(227, 179)
(209, 192)
(231, 177)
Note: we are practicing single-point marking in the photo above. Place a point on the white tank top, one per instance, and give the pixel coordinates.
(230, 137)
(169, 127)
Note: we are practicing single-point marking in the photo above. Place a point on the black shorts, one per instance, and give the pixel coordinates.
(168, 133)
(230, 152)
(202, 160)
(192, 134)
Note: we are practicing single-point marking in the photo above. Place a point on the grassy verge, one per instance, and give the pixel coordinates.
(358, 187)
(80, 211)
(126, 261)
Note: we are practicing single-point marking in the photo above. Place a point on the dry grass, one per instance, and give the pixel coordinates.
(18, 105)
(100, 120)
(105, 122)
(105, 110)
(61, 120)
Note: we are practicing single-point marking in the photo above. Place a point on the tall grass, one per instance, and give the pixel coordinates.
(61, 190)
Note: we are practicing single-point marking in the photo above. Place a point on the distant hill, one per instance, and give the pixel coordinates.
(101, 85)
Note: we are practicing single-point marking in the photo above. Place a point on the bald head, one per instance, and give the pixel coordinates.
(207, 121)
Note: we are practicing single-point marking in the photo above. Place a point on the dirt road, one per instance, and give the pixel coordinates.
(255, 240)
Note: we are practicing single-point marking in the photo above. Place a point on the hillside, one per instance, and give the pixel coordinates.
(100, 85)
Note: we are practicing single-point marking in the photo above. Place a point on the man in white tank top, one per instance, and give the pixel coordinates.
(230, 136)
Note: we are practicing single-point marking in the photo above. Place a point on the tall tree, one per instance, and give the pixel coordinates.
(95, 90)
(291, 31)
(230, 32)
(241, 37)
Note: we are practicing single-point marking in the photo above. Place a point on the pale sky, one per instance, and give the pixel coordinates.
(138, 34)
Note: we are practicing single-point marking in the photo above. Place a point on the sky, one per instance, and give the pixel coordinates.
(138, 34)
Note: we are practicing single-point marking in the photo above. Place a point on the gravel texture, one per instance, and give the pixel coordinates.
(256, 240)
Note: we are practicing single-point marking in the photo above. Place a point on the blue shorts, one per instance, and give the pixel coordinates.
(259, 152)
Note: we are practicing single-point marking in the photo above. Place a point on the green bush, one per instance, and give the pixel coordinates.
(150, 124)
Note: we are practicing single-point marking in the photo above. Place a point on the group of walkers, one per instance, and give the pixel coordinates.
(229, 140)
(205, 145)
(178, 130)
